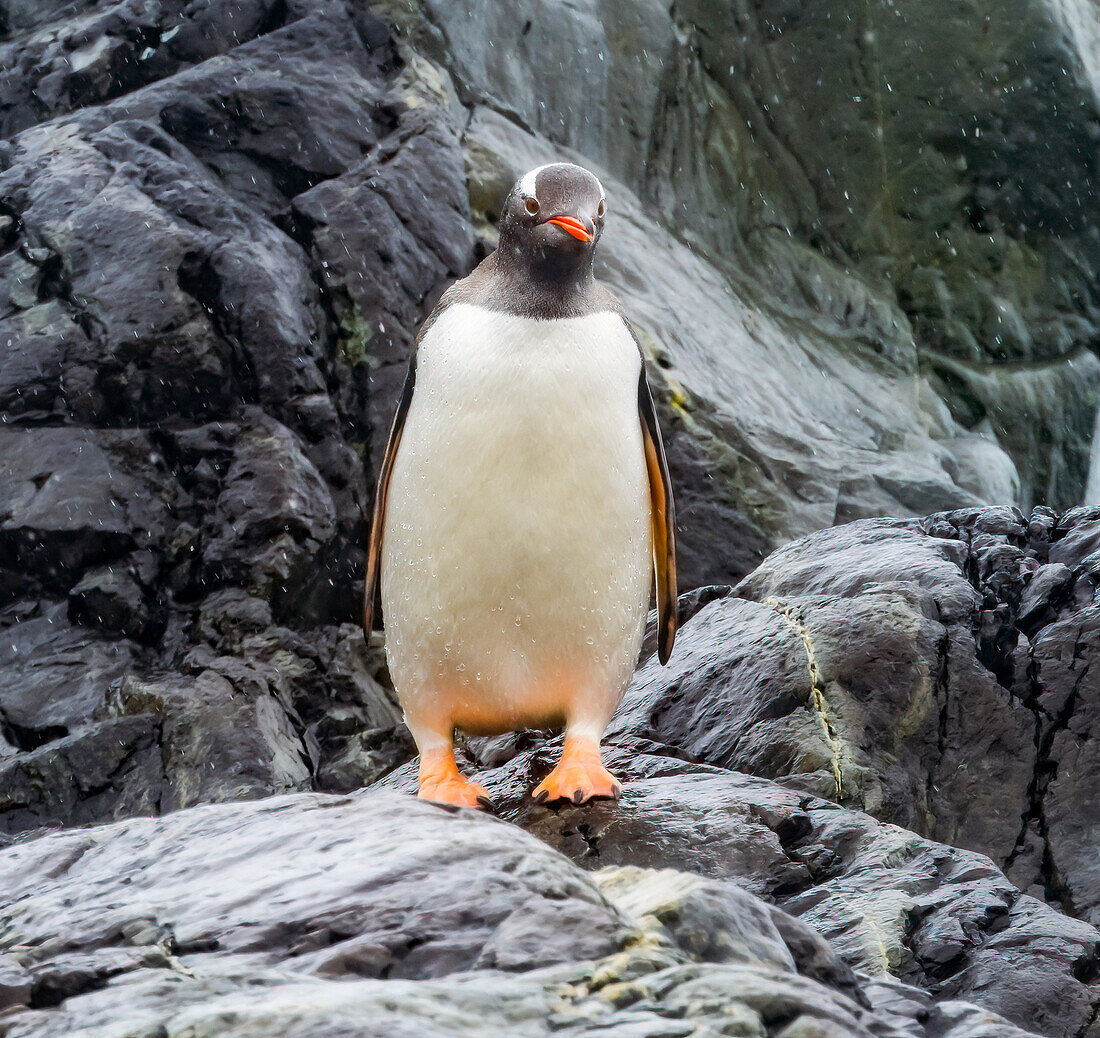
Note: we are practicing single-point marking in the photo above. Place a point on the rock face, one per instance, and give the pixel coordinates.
(940, 674)
(753, 879)
(859, 246)
(186, 397)
(322, 915)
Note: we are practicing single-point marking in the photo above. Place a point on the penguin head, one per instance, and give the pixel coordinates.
(552, 219)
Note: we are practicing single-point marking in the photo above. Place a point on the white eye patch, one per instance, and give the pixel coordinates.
(527, 184)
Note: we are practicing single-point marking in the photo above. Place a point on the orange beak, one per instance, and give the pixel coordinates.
(571, 225)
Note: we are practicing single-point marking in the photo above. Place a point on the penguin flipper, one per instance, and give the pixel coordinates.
(378, 517)
(663, 519)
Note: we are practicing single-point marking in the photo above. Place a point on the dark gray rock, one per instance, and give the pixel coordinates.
(79, 57)
(225, 734)
(892, 904)
(868, 182)
(321, 915)
(936, 674)
(185, 398)
(55, 675)
(387, 235)
(107, 769)
(273, 516)
(73, 498)
(863, 685)
(120, 598)
(30, 378)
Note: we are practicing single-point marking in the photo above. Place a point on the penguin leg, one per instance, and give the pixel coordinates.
(580, 774)
(440, 779)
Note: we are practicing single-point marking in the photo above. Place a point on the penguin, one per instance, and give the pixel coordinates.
(523, 507)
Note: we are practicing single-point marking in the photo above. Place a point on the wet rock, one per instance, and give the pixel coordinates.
(15, 984)
(30, 378)
(55, 675)
(225, 733)
(891, 903)
(1062, 676)
(185, 437)
(273, 516)
(354, 756)
(72, 498)
(854, 676)
(859, 171)
(119, 599)
(72, 59)
(386, 235)
(103, 770)
(935, 673)
(469, 922)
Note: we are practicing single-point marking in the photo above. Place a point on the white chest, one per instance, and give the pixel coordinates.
(517, 535)
(524, 420)
(545, 382)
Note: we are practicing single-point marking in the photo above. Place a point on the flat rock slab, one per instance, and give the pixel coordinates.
(382, 915)
(894, 905)
(337, 885)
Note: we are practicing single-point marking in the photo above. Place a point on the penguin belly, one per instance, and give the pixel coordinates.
(517, 545)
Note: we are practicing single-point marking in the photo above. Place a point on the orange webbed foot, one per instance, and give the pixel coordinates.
(579, 776)
(457, 790)
(442, 783)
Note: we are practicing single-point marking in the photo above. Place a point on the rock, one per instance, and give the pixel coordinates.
(1026, 622)
(15, 984)
(184, 439)
(891, 903)
(871, 226)
(73, 498)
(273, 516)
(935, 674)
(108, 769)
(119, 599)
(404, 915)
(349, 930)
(224, 731)
(55, 675)
(1065, 684)
(386, 235)
(31, 385)
(853, 695)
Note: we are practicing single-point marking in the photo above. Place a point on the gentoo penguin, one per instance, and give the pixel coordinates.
(523, 502)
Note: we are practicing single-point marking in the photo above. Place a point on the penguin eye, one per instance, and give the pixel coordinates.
(532, 206)
(600, 210)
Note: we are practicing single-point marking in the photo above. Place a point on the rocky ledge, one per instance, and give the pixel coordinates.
(859, 800)
(380, 915)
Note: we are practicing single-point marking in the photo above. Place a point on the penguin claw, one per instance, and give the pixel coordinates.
(579, 776)
(487, 803)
